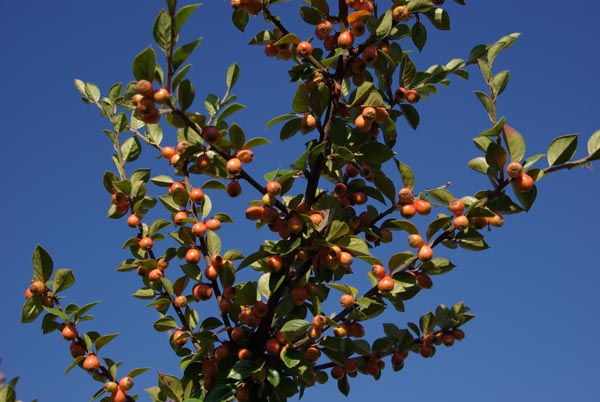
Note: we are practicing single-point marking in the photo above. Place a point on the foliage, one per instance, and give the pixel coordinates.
(267, 338)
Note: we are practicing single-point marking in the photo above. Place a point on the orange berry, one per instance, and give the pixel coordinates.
(146, 243)
(345, 40)
(385, 284)
(423, 207)
(457, 206)
(213, 224)
(461, 222)
(91, 363)
(524, 183)
(514, 169)
(425, 253)
(347, 301)
(234, 166)
(304, 49)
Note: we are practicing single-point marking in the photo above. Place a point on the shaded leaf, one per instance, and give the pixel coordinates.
(562, 149)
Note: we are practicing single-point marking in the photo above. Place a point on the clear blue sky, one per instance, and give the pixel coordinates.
(534, 292)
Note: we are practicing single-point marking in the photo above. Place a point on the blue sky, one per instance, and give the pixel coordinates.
(534, 292)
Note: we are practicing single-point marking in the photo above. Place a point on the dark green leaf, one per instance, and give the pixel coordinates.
(162, 30)
(144, 65)
(31, 309)
(411, 115)
(240, 18)
(42, 264)
(63, 279)
(185, 94)
(419, 35)
(182, 53)
(255, 142)
(131, 149)
(103, 340)
(376, 153)
(183, 14)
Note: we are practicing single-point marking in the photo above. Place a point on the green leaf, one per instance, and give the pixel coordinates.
(386, 186)
(144, 65)
(495, 130)
(281, 118)
(255, 142)
(131, 149)
(408, 177)
(515, 143)
(228, 111)
(562, 149)
(411, 115)
(500, 81)
(289, 129)
(31, 309)
(42, 264)
(213, 242)
(408, 72)
(376, 152)
(385, 25)
(185, 94)
(183, 14)
(441, 195)
(427, 323)
(240, 18)
(162, 30)
(593, 145)
(419, 6)
(525, 199)
(294, 328)
(273, 377)
(104, 340)
(164, 324)
(337, 229)
(92, 92)
(398, 259)
(300, 101)
(480, 165)
(262, 38)
(419, 35)
(171, 386)
(214, 185)
(362, 92)
(162, 181)
(311, 15)
(236, 136)
(342, 287)
(242, 369)
(486, 102)
(233, 74)
(397, 224)
(137, 371)
(439, 18)
(63, 279)
(496, 156)
(438, 224)
(485, 68)
(182, 53)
